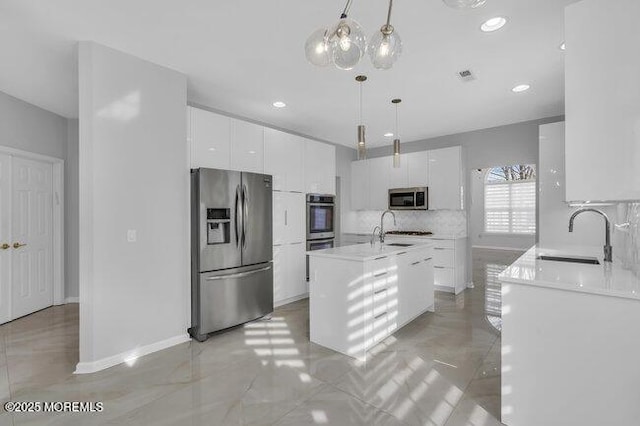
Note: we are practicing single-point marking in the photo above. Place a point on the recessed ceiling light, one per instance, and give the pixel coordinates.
(388, 135)
(252, 152)
(493, 24)
(563, 46)
(521, 88)
(279, 104)
(212, 149)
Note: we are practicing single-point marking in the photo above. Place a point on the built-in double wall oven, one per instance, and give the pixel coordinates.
(320, 223)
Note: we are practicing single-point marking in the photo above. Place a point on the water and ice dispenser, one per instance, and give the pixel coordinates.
(218, 226)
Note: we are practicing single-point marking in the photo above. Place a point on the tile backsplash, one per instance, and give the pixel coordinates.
(443, 222)
(629, 236)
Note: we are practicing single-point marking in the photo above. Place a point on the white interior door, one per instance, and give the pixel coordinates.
(5, 238)
(32, 242)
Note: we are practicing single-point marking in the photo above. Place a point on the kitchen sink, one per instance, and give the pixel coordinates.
(572, 259)
(399, 245)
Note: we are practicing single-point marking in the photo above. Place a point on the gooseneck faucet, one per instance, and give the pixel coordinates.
(608, 250)
(382, 224)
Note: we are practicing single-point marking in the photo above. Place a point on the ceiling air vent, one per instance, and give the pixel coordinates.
(466, 75)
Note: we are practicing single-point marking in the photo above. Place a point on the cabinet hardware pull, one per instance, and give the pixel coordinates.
(285, 218)
(439, 267)
(401, 253)
(380, 315)
(378, 258)
(428, 259)
(380, 291)
(439, 248)
(415, 263)
(379, 274)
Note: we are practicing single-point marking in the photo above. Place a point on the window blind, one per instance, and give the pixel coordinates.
(510, 207)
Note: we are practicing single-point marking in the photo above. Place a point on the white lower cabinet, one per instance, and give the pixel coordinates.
(289, 272)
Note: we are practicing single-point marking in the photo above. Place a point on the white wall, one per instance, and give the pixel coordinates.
(133, 176)
(71, 218)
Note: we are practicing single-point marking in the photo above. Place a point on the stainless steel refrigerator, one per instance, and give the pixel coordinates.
(231, 249)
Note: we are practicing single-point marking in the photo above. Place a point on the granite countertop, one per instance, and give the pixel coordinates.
(366, 251)
(607, 279)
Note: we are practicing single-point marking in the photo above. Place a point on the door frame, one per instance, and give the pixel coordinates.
(57, 201)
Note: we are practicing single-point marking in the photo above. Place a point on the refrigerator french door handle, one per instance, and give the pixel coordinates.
(238, 275)
(235, 215)
(245, 214)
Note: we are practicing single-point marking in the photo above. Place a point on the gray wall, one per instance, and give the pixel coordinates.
(29, 128)
(510, 144)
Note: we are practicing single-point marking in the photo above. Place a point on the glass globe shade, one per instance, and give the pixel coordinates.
(464, 4)
(384, 49)
(347, 44)
(316, 48)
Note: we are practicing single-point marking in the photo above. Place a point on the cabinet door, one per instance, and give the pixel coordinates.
(417, 169)
(397, 175)
(279, 205)
(210, 139)
(359, 185)
(320, 168)
(297, 267)
(280, 272)
(424, 296)
(445, 168)
(284, 160)
(295, 217)
(378, 183)
(247, 147)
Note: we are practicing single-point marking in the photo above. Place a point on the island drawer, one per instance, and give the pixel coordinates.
(450, 244)
(444, 277)
(444, 257)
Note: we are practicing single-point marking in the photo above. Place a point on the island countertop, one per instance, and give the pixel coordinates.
(365, 251)
(606, 279)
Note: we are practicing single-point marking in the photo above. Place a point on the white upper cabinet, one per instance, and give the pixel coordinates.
(359, 185)
(284, 160)
(210, 136)
(319, 168)
(446, 179)
(602, 100)
(417, 164)
(397, 175)
(379, 169)
(247, 146)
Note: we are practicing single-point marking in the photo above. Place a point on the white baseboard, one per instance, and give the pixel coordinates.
(72, 300)
(500, 248)
(290, 300)
(101, 364)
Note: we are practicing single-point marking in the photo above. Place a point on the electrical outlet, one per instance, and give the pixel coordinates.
(132, 236)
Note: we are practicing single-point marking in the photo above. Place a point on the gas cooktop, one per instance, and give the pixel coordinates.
(416, 233)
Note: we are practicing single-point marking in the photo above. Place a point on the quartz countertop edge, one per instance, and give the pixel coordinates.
(365, 252)
(426, 237)
(606, 279)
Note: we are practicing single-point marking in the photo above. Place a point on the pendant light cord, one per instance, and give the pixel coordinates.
(360, 103)
(389, 13)
(347, 7)
(397, 136)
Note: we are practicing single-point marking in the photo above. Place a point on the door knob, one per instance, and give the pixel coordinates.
(4, 246)
(18, 245)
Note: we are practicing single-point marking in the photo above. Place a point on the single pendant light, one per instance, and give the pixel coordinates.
(385, 45)
(362, 147)
(396, 141)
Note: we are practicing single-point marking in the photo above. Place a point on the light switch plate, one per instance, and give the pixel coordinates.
(132, 236)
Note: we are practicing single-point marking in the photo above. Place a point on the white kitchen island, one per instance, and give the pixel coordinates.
(360, 294)
(570, 341)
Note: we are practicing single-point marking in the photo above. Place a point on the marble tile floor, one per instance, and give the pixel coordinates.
(441, 369)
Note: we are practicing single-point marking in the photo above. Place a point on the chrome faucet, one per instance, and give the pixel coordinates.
(608, 250)
(382, 224)
(373, 234)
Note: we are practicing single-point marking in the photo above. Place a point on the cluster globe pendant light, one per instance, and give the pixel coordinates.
(361, 144)
(344, 44)
(396, 141)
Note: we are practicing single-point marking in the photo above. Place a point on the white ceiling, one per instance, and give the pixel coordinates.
(242, 55)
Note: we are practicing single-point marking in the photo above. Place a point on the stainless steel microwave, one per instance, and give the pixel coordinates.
(409, 198)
